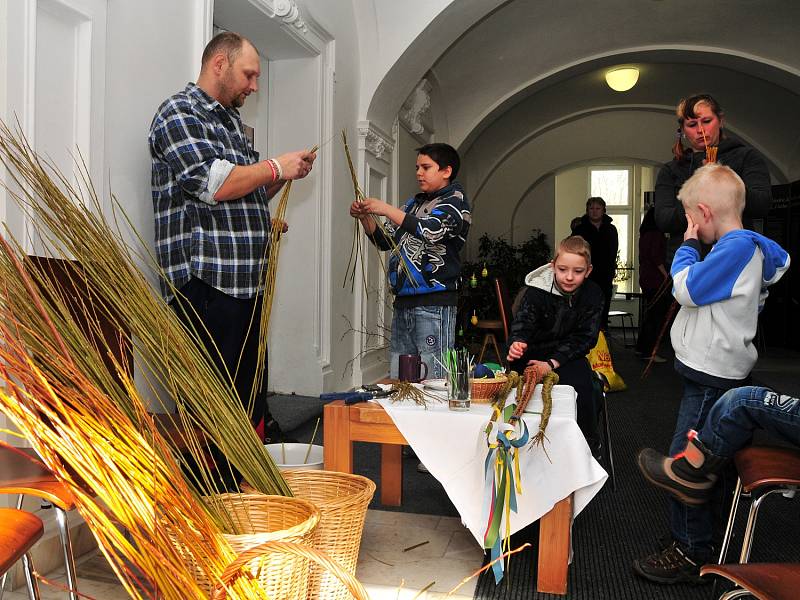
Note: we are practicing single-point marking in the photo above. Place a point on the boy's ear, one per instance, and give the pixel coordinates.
(589, 270)
(705, 209)
(447, 172)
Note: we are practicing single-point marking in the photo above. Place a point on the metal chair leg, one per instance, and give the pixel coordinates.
(609, 452)
(747, 540)
(69, 559)
(726, 539)
(30, 578)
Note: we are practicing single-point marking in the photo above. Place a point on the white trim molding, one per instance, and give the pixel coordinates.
(416, 106)
(288, 12)
(375, 141)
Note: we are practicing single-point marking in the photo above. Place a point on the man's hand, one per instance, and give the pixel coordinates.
(296, 165)
(516, 350)
(691, 229)
(280, 225)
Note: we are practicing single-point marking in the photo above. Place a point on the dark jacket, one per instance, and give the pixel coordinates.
(748, 163)
(555, 325)
(604, 241)
(430, 239)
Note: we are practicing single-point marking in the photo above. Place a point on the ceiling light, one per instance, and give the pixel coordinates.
(622, 79)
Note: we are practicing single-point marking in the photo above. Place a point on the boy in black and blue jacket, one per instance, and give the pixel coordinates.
(429, 233)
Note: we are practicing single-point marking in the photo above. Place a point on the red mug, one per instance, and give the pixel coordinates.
(409, 368)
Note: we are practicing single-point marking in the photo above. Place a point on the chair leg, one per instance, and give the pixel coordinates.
(726, 539)
(609, 452)
(30, 578)
(69, 559)
(496, 349)
(483, 348)
(747, 540)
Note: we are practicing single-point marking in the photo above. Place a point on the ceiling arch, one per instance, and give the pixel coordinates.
(541, 57)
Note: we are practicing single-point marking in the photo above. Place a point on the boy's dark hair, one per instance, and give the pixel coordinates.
(443, 155)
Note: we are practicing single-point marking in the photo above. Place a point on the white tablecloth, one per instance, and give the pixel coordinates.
(453, 448)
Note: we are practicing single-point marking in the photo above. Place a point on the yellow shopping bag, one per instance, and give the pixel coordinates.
(600, 360)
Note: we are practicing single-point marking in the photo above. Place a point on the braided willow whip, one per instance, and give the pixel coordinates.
(549, 380)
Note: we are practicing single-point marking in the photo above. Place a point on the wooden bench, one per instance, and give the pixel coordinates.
(369, 422)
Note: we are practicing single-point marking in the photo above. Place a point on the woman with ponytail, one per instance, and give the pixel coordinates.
(701, 139)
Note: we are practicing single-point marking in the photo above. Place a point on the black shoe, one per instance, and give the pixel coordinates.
(671, 565)
(690, 478)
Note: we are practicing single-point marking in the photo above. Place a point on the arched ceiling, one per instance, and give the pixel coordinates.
(528, 67)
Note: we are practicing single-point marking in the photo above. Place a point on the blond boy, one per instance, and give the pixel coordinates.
(720, 297)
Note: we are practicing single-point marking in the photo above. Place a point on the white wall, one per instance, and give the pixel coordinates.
(536, 210)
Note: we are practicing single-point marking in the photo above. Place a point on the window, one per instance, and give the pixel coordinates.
(613, 184)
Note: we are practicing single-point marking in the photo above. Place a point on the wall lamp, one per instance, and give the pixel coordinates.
(622, 79)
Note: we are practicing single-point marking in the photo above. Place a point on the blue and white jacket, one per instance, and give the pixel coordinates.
(429, 239)
(721, 297)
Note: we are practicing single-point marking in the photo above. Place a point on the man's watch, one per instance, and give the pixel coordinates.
(549, 361)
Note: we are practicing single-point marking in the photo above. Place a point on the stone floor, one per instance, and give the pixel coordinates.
(447, 554)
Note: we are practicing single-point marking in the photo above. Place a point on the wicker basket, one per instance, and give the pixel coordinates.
(320, 560)
(263, 519)
(484, 390)
(342, 500)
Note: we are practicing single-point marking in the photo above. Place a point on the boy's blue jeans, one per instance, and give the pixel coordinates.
(730, 423)
(693, 526)
(423, 330)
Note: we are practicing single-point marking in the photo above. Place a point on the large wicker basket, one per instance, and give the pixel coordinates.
(320, 560)
(342, 500)
(264, 518)
(484, 390)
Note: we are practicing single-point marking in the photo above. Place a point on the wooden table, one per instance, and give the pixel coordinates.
(369, 422)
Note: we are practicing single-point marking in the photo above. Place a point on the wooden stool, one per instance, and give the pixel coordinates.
(19, 475)
(766, 581)
(762, 471)
(19, 531)
(489, 337)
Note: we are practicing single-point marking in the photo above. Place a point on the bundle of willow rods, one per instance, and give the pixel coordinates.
(357, 250)
(270, 274)
(68, 220)
(126, 485)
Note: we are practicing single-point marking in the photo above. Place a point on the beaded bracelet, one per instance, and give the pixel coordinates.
(278, 169)
(272, 169)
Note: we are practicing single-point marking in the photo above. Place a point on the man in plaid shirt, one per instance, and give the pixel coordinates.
(210, 195)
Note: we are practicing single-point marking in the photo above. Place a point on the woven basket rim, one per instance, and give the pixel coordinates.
(366, 487)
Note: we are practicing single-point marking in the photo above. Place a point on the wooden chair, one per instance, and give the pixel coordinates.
(763, 470)
(766, 581)
(498, 326)
(19, 475)
(19, 531)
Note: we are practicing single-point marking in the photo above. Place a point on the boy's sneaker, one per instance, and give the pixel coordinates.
(670, 565)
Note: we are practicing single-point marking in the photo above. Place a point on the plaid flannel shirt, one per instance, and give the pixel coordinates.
(224, 243)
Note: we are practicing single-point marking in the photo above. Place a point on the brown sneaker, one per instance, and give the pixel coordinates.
(670, 565)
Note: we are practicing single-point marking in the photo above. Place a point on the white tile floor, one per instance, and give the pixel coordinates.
(448, 554)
